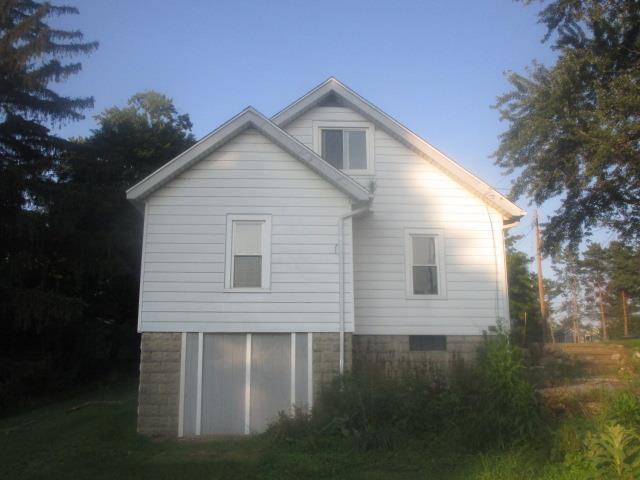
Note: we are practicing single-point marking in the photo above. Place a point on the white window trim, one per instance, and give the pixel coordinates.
(369, 129)
(266, 253)
(438, 235)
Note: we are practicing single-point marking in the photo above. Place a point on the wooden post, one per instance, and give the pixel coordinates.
(546, 328)
(625, 313)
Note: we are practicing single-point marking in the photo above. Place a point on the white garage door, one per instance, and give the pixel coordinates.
(238, 383)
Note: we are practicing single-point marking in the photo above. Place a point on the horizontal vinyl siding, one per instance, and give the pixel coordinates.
(411, 192)
(185, 234)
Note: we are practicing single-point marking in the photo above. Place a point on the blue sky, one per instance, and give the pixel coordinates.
(435, 66)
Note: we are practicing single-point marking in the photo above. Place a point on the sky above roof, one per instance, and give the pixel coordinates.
(437, 67)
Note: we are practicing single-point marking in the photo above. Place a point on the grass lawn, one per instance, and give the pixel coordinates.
(99, 441)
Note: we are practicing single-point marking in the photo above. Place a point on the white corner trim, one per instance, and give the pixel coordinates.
(199, 383)
(293, 372)
(142, 262)
(183, 352)
(247, 387)
(310, 370)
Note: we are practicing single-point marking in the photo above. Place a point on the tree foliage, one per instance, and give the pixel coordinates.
(523, 295)
(32, 57)
(573, 128)
(570, 291)
(590, 283)
(96, 233)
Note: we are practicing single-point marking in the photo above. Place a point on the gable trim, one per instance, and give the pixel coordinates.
(402, 134)
(248, 118)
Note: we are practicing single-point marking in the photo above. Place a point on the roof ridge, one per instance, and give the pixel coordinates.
(248, 117)
(402, 133)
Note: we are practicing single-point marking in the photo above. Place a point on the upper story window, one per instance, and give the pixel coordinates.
(248, 259)
(347, 146)
(344, 149)
(425, 271)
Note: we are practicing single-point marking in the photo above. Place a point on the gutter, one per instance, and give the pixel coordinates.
(341, 219)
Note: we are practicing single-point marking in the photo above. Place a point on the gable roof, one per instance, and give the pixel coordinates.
(248, 118)
(334, 89)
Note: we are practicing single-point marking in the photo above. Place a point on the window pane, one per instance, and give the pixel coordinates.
(357, 142)
(424, 250)
(332, 147)
(247, 238)
(425, 280)
(247, 271)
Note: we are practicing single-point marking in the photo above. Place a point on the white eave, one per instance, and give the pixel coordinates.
(507, 208)
(248, 118)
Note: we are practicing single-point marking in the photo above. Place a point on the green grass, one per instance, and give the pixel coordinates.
(99, 441)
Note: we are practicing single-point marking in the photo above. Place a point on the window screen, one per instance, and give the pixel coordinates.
(247, 254)
(424, 267)
(425, 343)
(345, 149)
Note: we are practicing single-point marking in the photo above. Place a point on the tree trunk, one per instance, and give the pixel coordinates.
(625, 313)
(603, 320)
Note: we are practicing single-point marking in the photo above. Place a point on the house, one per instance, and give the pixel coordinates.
(278, 251)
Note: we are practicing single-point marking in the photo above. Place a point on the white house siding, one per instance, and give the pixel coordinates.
(412, 192)
(182, 285)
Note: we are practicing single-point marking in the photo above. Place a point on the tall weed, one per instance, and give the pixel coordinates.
(614, 453)
(484, 405)
(504, 407)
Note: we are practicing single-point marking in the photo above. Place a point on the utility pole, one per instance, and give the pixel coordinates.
(546, 328)
(625, 313)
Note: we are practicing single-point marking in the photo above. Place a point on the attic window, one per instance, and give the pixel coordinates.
(346, 145)
(345, 149)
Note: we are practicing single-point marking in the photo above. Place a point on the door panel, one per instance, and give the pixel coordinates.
(270, 378)
(223, 383)
(190, 384)
(302, 371)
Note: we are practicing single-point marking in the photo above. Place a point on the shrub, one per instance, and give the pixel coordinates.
(489, 404)
(290, 427)
(503, 404)
(624, 409)
(374, 407)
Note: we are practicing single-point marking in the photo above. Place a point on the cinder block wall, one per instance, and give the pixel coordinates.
(326, 358)
(391, 352)
(158, 394)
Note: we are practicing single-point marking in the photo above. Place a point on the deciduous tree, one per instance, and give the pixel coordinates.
(573, 127)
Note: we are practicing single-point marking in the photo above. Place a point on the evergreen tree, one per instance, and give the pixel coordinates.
(523, 295)
(595, 269)
(624, 285)
(573, 128)
(31, 59)
(568, 278)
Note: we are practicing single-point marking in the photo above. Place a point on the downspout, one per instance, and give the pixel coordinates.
(341, 220)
